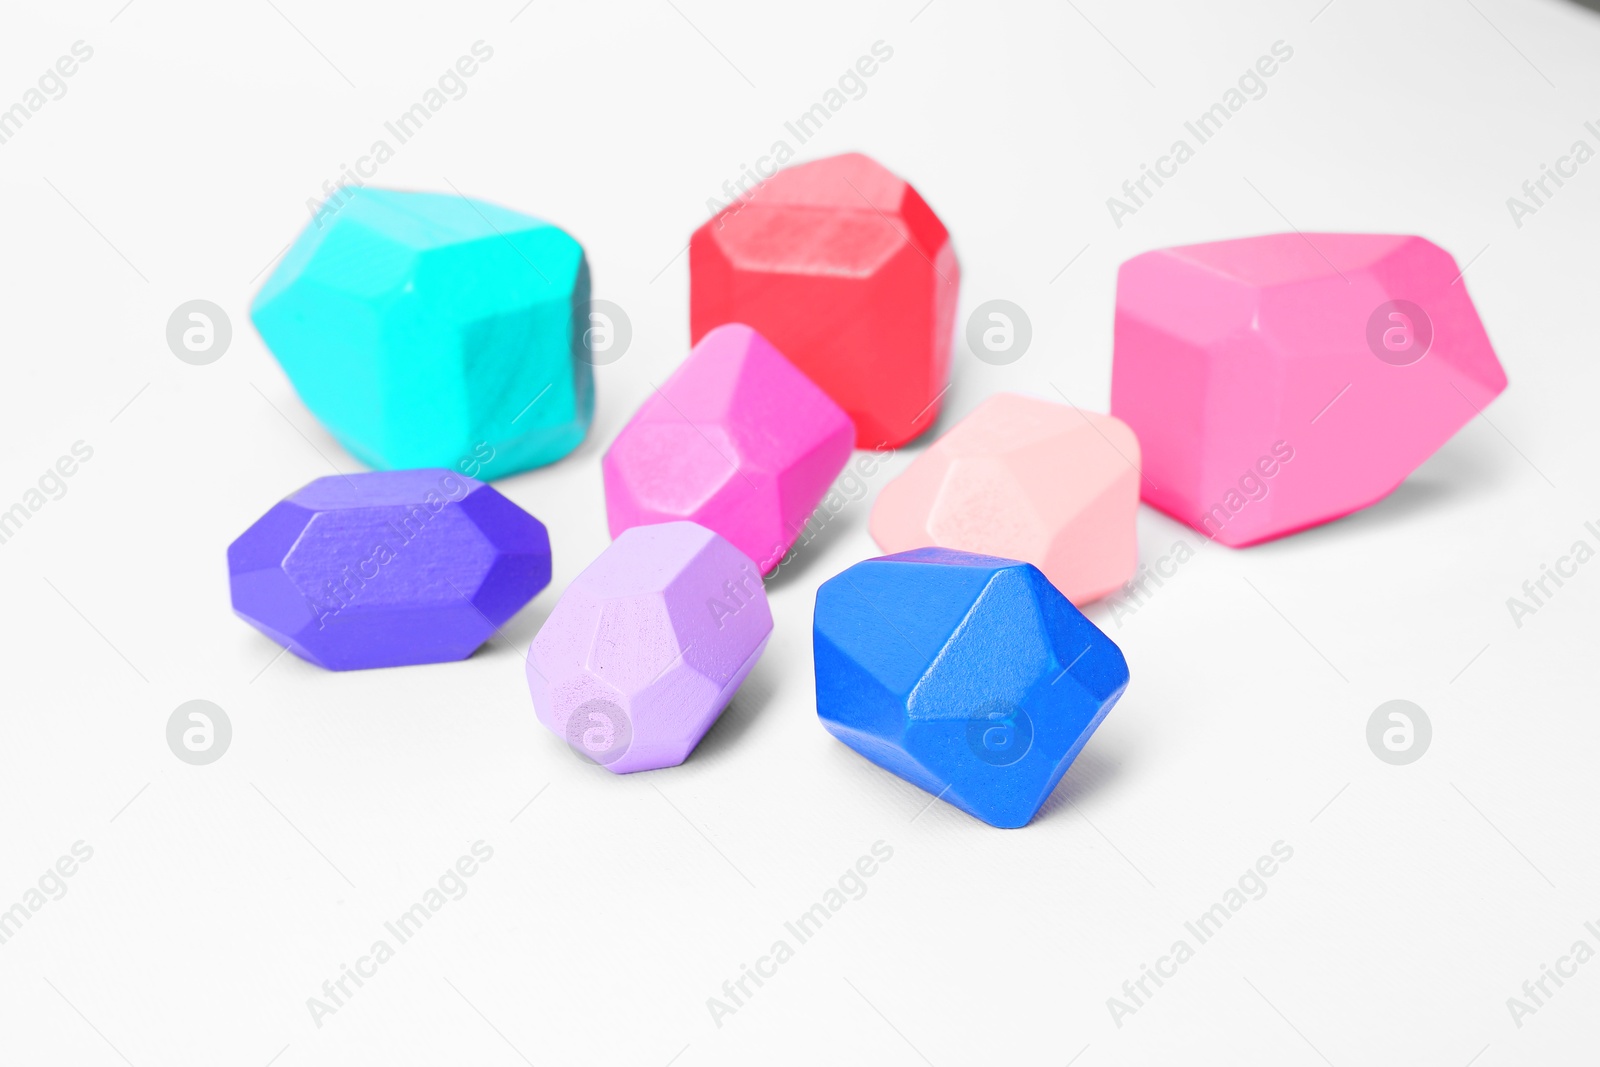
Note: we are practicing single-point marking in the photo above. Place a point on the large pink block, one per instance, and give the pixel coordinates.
(737, 440)
(1024, 479)
(1282, 381)
(647, 646)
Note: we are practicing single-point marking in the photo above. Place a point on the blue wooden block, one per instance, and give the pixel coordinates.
(970, 676)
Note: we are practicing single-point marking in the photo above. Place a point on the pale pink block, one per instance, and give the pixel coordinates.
(1272, 385)
(1024, 479)
(737, 440)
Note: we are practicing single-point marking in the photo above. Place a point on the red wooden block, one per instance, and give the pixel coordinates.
(844, 268)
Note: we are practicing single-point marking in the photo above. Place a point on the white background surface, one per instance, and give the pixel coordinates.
(220, 898)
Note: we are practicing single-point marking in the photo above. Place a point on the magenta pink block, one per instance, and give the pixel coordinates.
(737, 440)
(1283, 381)
(647, 646)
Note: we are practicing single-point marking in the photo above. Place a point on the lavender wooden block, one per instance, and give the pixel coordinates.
(387, 568)
(647, 646)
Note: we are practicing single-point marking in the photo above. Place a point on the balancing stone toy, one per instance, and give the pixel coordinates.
(387, 568)
(846, 270)
(647, 645)
(737, 440)
(967, 675)
(435, 331)
(1279, 382)
(1024, 479)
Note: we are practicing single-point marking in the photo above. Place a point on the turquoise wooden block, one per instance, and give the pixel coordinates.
(430, 330)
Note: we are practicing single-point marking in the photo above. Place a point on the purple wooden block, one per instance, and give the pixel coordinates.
(647, 646)
(387, 568)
